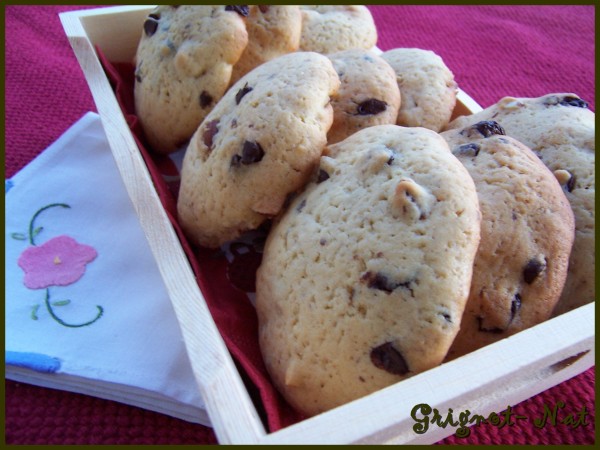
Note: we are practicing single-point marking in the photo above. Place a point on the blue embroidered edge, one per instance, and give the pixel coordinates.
(8, 185)
(34, 361)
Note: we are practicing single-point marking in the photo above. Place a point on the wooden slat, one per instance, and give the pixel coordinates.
(224, 393)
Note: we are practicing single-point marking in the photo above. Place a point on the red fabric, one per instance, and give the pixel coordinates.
(493, 51)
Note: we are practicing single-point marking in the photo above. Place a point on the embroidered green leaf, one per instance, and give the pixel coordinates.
(61, 302)
(19, 236)
(37, 231)
(34, 311)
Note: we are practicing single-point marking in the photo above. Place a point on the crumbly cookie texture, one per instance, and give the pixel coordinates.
(527, 231)
(273, 30)
(365, 276)
(560, 130)
(427, 87)
(333, 28)
(369, 94)
(259, 144)
(183, 67)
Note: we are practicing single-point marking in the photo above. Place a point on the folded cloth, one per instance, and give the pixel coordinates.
(86, 308)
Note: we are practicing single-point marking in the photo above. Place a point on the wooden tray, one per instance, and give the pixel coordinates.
(485, 381)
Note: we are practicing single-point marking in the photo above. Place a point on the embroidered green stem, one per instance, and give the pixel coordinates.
(33, 232)
(62, 322)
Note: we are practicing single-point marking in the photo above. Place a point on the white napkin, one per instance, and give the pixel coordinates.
(86, 308)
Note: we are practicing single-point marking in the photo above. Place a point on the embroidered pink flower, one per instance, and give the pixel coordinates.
(58, 262)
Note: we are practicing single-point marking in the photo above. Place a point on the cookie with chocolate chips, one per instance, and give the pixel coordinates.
(273, 30)
(427, 87)
(527, 231)
(183, 66)
(560, 129)
(364, 278)
(260, 143)
(334, 28)
(368, 95)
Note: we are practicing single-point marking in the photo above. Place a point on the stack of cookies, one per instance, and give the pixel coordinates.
(398, 239)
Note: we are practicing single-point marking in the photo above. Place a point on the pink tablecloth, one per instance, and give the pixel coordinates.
(493, 51)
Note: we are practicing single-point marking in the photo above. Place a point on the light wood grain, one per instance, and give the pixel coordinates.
(487, 380)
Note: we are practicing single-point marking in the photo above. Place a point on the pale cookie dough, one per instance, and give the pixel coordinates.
(258, 145)
(560, 129)
(427, 87)
(368, 95)
(333, 28)
(273, 30)
(527, 231)
(183, 67)
(364, 279)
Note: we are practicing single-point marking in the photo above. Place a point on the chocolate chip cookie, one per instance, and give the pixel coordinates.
(260, 143)
(364, 278)
(527, 231)
(427, 87)
(183, 67)
(273, 30)
(560, 129)
(368, 95)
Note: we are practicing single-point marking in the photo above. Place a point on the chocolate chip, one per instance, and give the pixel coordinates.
(471, 149)
(533, 269)
(390, 160)
(567, 100)
(488, 128)
(388, 358)
(243, 91)
(573, 101)
(371, 107)
(322, 241)
(205, 99)
(515, 306)
(242, 10)
(252, 153)
(322, 176)
(151, 24)
(210, 130)
(480, 327)
(264, 8)
(383, 283)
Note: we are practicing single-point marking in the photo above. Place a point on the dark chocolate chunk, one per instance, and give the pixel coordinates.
(242, 10)
(388, 358)
(205, 99)
(390, 161)
(533, 269)
(567, 100)
(243, 91)
(471, 149)
(371, 107)
(489, 128)
(264, 8)
(383, 283)
(573, 101)
(322, 176)
(151, 24)
(252, 153)
(210, 130)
